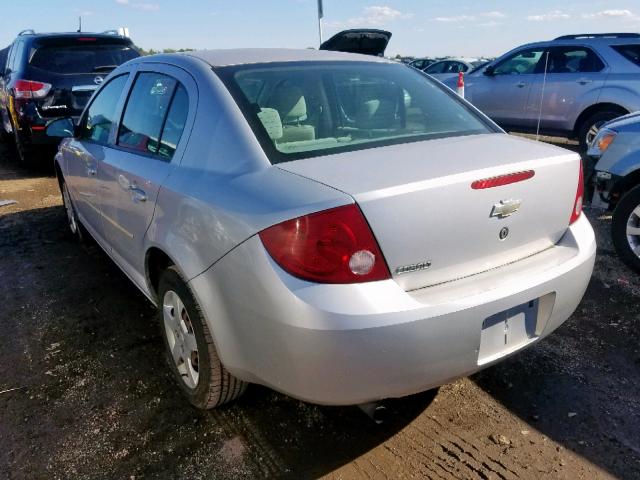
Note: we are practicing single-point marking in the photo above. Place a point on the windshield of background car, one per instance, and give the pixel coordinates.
(309, 109)
(81, 57)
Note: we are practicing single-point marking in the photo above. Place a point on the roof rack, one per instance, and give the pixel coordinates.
(598, 35)
(28, 31)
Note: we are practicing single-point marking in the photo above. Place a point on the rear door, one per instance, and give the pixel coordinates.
(573, 74)
(75, 66)
(504, 94)
(149, 143)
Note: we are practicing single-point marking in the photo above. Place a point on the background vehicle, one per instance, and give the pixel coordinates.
(616, 149)
(247, 194)
(451, 67)
(421, 63)
(53, 75)
(590, 79)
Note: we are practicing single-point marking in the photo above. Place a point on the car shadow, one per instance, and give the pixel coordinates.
(99, 387)
(579, 386)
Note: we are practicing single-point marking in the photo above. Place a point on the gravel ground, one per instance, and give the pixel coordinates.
(85, 391)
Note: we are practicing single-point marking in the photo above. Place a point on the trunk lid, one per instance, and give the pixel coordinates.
(361, 40)
(431, 225)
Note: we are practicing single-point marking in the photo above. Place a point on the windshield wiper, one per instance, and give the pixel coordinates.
(102, 68)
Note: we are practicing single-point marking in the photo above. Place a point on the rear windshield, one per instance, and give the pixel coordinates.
(309, 109)
(630, 52)
(73, 59)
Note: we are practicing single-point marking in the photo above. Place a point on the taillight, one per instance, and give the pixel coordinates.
(577, 204)
(31, 89)
(333, 246)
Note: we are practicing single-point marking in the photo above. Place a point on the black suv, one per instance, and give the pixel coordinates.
(51, 75)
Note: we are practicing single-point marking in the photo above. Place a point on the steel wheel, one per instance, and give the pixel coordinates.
(181, 338)
(633, 231)
(71, 213)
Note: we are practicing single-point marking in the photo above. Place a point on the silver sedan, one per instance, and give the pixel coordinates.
(340, 228)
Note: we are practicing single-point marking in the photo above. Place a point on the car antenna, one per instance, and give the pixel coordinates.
(544, 84)
(79, 23)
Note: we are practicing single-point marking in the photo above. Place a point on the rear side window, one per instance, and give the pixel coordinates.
(101, 114)
(573, 60)
(155, 115)
(630, 52)
(84, 58)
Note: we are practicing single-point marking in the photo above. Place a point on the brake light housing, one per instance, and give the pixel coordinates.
(332, 246)
(501, 180)
(31, 89)
(577, 204)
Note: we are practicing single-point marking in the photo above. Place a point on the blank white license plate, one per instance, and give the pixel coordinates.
(507, 331)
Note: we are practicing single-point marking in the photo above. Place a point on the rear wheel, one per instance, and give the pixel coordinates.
(625, 228)
(190, 348)
(591, 125)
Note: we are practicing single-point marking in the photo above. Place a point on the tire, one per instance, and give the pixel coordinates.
(590, 126)
(75, 227)
(201, 377)
(625, 228)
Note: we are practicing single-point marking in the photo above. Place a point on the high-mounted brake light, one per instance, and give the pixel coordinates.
(333, 246)
(502, 180)
(577, 204)
(31, 89)
(87, 39)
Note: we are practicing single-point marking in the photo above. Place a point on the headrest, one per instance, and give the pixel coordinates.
(289, 101)
(270, 119)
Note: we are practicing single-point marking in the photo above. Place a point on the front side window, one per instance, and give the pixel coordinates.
(146, 126)
(101, 114)
(521, 63)
(572, 60)
(310, 109)
(438, 67)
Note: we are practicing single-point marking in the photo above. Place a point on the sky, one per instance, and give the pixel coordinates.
(420, 27)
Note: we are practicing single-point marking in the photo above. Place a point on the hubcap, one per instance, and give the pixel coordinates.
(181, 338)
(593, 131)
(633, 231)
(71, 214)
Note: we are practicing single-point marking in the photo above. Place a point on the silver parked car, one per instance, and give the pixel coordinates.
(616, 149)
(590, 80)
(338, 227)
(451, 67)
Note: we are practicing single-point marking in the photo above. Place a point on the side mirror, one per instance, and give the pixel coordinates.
(61, 128)
(490, 71)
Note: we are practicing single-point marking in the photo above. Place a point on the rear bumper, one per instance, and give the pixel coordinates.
(349, 344)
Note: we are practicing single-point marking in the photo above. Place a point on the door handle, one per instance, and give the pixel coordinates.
(138, 195)
(91, 171)
(521, 84)
(584, 81)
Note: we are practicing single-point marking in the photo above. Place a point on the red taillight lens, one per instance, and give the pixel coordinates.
(502, 180)
(334, 246)
(31, 89)
(577, 204)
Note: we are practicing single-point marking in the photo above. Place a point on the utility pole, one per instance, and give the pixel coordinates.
(320, 15)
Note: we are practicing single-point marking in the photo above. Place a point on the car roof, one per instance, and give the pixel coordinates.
(241, 56)
(39, 35)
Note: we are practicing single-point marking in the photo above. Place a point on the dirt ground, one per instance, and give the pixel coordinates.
(85, 391)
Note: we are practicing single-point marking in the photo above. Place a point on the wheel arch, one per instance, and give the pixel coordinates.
(626, 183)
(592, 109)
(156, 261)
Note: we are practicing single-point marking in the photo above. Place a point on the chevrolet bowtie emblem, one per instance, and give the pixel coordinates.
(505, 208)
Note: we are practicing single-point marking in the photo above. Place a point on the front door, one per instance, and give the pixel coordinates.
(503, 95)
(84, 154)
(147, 148)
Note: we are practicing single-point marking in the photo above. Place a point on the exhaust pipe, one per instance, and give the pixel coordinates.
(375, 411)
